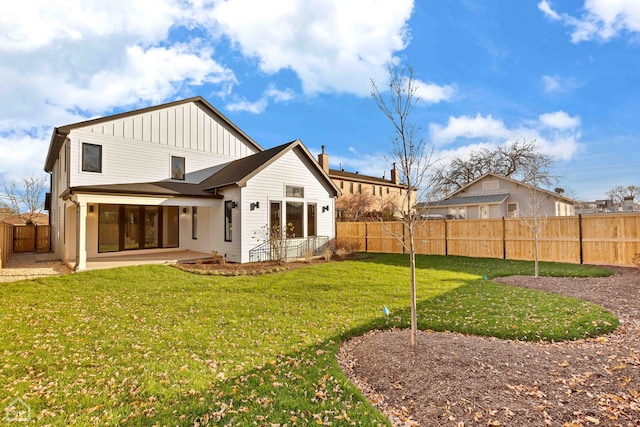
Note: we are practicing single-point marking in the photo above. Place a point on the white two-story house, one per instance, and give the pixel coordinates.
(179, 176)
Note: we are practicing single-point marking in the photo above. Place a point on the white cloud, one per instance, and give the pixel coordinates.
(433, 93)
(601, 19)
(545, 7)
(559, 120)
(333, 46)
(557, 84)
(467, 127)
(551, 84)
(22, 155)
(556, 134)
(257, 107)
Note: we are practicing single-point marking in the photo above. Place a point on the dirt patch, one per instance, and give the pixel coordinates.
(451, 379)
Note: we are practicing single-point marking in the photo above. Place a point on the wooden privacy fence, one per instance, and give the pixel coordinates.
(6, 242)
(31, 238)
(593, 239)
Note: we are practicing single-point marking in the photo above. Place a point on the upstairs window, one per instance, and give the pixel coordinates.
(91, 158)
(294, 191)
(177, 168)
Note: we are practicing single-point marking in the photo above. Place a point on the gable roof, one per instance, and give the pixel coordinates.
(60, 133)
(233, 174)
(483, 199)
(238, 172)
(504, 178)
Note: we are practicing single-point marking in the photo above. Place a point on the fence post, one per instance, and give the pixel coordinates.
(446, 237)
(580, 237)
(366, 236)
(504, 239)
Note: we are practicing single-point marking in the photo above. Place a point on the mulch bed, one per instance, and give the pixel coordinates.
(217, 268)
(451, 379)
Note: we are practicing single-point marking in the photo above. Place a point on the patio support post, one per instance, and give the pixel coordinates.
(81, 237)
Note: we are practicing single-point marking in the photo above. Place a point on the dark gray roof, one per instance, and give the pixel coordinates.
(237, 171)
(466, 200)
(160, 188)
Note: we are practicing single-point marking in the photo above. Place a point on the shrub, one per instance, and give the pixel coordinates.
(218, 258)
(346, 246)
(327, 254)
(308, 255)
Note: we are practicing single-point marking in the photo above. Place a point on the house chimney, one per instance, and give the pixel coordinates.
(394, 175)
(323, 159)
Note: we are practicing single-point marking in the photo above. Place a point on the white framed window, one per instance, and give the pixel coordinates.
(512, 210)
(177, 167)
(294, 191)
(483, 211)
(91, 158)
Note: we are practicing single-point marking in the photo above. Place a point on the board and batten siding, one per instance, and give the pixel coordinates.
(269, 185)
(139, 148)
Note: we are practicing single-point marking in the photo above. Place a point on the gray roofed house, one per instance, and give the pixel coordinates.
(496, 196)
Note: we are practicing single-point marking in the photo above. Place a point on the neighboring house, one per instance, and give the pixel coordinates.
(384, 193)
(496, 196)
(179, 176)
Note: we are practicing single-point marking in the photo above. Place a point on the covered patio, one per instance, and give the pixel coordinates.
(125, 260)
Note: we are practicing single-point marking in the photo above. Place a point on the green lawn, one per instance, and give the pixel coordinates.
(153, 345)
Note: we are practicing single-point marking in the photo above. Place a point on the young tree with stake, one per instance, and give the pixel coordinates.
(412, 156)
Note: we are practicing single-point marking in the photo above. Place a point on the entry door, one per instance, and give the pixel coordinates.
(275, 220)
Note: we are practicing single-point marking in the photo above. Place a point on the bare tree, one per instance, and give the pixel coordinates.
(512, 160)
(619, 193)
(26, 196)
(354, 207)
(538, 174)
(412, 156)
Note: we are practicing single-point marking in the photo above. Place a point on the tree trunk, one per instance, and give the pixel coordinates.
(535, 249)
(412, 263)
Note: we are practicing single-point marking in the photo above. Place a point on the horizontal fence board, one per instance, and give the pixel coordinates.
(592, 239)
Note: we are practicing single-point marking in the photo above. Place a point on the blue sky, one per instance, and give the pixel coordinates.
(566, 74)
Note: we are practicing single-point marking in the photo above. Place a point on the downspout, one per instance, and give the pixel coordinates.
(75, 267)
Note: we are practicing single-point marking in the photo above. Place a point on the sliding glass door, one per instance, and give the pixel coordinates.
(128, 227)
